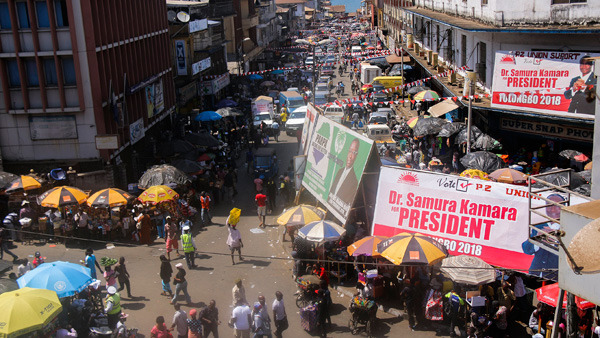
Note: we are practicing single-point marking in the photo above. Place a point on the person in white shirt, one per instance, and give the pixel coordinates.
(24, 268)
(281, 321)
(241, 317)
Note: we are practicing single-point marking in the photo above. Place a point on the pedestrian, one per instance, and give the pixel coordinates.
(113, 307)
(91, 263)
(455, 303)
(194, 325)
(409, 295)
(241, 318)
(171, 235)
(24, 267)
(234, 241)
(264, 315)
(180, 323)
(500, 319)
(110, 276)
(239, 292)
(180, 284)
(210, 319)
(205, 216)
(189, 247)
(82, 219)
(261, 204)
(5, 237)
(38, 259)
(260, 326)
(258, 183)
(145, 228)
(323, 303)
(279, 315)
(123, 276)
(271, 195)
(160, 330)
(166, 271)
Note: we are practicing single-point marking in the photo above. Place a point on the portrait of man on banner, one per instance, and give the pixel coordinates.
(344, 184)
(579, 89)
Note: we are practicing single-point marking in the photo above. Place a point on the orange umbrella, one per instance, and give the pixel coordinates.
(588, 166)
(366, 246)
(24, 182)
(506, 175)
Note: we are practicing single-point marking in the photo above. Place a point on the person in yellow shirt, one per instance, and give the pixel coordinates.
(283, 116)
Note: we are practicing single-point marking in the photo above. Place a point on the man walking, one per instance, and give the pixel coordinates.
(210, 319)
(281, 321)
(241, 317)
(271, 195)
(171, 234)
(205, 212)
(261, 204)
(180, 322)
(239, 292)
(189, 247)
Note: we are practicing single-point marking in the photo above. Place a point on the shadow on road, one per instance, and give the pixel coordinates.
(254, 262)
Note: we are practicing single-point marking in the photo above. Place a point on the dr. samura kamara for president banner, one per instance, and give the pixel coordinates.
(464, 218)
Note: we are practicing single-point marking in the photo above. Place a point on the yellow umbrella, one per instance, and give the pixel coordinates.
(407, 248)
(475, 173)
(158, 194)
(27, 310)
(588, 166)
(111, 197)
(61, 196)
(300, 215)
(24, 182)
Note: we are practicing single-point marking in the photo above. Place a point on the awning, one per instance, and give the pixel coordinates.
(442, 108)
(391, 59)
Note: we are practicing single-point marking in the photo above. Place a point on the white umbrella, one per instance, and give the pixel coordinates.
(470, 270)
(321, 231)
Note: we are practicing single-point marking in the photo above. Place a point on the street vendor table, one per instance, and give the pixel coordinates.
(339, 269)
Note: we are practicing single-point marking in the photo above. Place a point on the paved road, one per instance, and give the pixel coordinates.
(265, 270)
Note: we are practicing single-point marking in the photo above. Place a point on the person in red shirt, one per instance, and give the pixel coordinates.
(261, 203)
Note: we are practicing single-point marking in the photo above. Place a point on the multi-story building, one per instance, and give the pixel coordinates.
(242, 34)
(298, 8)
(82, 81)
(198, 51)
(267, 23)
(503, 42)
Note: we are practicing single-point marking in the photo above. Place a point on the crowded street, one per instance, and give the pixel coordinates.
(299, 170)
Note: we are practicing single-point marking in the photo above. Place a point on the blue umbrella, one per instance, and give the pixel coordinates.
(65, 278)
(321, 231)
(278, 71)
(208, 115)
(226, 103)
(255, 77)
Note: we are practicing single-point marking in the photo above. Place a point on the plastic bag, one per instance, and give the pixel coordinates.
(234, 216)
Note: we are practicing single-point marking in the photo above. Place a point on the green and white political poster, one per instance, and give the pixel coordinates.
(336, 160)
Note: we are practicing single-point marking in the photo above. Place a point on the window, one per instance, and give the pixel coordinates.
(42, 14)
(554, 2)
(463, 50)
(4, 16)
(50, 75)
(60, 11)
(23, 15)
(69, 71)
(32, 73)
(13, 73)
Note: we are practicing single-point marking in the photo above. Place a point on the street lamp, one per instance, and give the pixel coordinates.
(314, 46)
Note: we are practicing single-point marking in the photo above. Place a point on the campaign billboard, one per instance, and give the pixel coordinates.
(310, 121)
(551, 82)
(471, 217)
(336, 160)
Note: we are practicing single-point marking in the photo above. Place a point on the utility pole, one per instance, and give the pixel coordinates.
(314, 67)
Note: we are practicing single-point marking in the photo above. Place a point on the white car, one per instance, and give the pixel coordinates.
(309, 61)
(262, 116)
(295, 121)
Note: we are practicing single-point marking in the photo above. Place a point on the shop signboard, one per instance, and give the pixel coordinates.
(136, 131)
(107, 142)
(200, 66)
(212, 87)
(181, 57)
(159, 99)
(571, 132)
(550, 82)
(471, 217)
(198, 25)
(53, 127)
(187, 93)
(335, 163)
